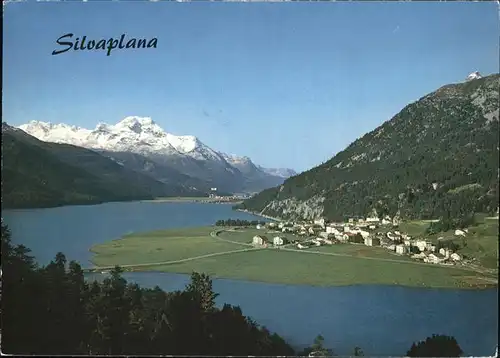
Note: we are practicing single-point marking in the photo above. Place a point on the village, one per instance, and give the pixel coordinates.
(370, 232)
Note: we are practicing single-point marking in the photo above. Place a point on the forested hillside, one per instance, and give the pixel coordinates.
(52, 310)
(39, 174)
(438, 157)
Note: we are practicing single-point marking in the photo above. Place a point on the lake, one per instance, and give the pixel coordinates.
(382, 320)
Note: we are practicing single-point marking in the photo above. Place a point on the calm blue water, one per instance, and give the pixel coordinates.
(382, 320)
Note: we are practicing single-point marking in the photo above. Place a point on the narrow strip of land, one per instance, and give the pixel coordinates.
(240, 244)
(178, 261)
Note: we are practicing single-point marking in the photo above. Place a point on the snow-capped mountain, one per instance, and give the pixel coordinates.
(473, 76)
(133, 134)
(142, 136)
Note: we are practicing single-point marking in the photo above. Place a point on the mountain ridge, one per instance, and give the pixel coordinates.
(438, 156)
(42, 174)
(142, 136)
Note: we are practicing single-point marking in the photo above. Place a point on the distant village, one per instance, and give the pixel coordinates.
(369, 232)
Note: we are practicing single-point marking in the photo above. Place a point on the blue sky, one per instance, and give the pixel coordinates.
(288, 84)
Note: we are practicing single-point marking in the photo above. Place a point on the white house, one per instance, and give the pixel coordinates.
(455, 257)
(323, 234)
(372, 241)
(258, 227)
(459, 233)
(259, 240)
(342, 238)
(419, 256)
(421, 244)
(320, 222)
(401, 249)
(407, 242)
(398, 233)
(347, 228)
(364, 234)
(329, 242)
(278, 241)
(372, 227)
(372, 220)
(302, 246)
(445, 252)
(433, 258)
(332, 230)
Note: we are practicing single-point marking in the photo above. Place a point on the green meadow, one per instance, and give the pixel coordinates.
(481, 241)
(227, 253)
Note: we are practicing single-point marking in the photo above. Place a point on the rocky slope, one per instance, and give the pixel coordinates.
(168, 153)
(437, 157)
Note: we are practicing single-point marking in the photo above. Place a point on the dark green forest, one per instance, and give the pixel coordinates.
(437, 158)
(53, 310)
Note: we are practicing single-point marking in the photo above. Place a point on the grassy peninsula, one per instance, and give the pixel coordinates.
(228, 252)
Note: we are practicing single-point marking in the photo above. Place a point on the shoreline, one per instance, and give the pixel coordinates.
(247, 280)
(87, 203)
(201, 200)
(177, 199)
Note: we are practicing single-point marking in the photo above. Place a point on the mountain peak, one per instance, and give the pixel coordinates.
(183, 143)
(138, 125)
(473, 76)
(135, 120)
(142, 136)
